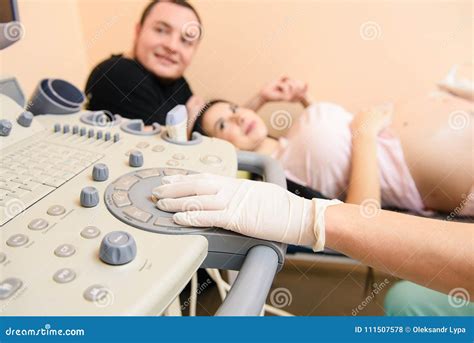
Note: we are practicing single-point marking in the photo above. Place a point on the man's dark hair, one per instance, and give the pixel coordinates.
(197, 127)
(182, 3)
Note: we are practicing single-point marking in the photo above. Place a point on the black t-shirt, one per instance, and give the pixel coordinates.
(123, 86)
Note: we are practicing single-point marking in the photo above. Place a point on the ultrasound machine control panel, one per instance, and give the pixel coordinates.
(80, 233)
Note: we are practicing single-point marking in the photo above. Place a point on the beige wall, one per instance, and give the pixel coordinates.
(247, 43)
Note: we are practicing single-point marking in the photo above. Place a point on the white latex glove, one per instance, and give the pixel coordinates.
(258, 209)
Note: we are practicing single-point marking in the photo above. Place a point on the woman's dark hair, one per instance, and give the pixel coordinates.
(182, 3)
(197, 127)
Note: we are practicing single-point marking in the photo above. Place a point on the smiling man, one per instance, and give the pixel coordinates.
(148, 82)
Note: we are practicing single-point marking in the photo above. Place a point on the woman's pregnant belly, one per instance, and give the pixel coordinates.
(436, 133)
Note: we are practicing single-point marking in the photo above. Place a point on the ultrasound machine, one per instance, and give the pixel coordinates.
(80, 233)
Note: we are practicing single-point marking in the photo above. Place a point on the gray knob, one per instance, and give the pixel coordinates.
(66, 128)
(57, 127)
(83, 131)
(5, 127)
(107, 136)
(117, 247)
(25, 119)
(75, 129)
(135, 159)
(100, 172)
(116, 137)
(100, 134)
(90, 134)
(89, 197)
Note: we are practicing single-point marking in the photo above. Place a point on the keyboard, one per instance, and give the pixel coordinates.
(29, 173)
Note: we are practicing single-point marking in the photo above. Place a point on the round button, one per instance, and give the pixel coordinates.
(66, 128)
(211, 159)
(64, 275)
(135, 159)
(158, 148)
(38, 224)
(56, 210)
(178, 157)
(57, 127)
(9, 286)
(90, 232)
(117, 248)
(3, 257)
(96, 293)
(172, 163)
(89, 197)
(65, 250)
(25, 119)
(5, 127)
(100, 172)
(17, 240)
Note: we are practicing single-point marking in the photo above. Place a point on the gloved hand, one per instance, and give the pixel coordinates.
(258, 209)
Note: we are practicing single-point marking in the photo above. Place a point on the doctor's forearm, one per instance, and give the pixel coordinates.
(433, 253)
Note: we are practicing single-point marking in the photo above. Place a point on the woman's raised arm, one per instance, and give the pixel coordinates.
(364, 179)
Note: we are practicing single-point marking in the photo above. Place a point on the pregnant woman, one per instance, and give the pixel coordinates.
(416, 155)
